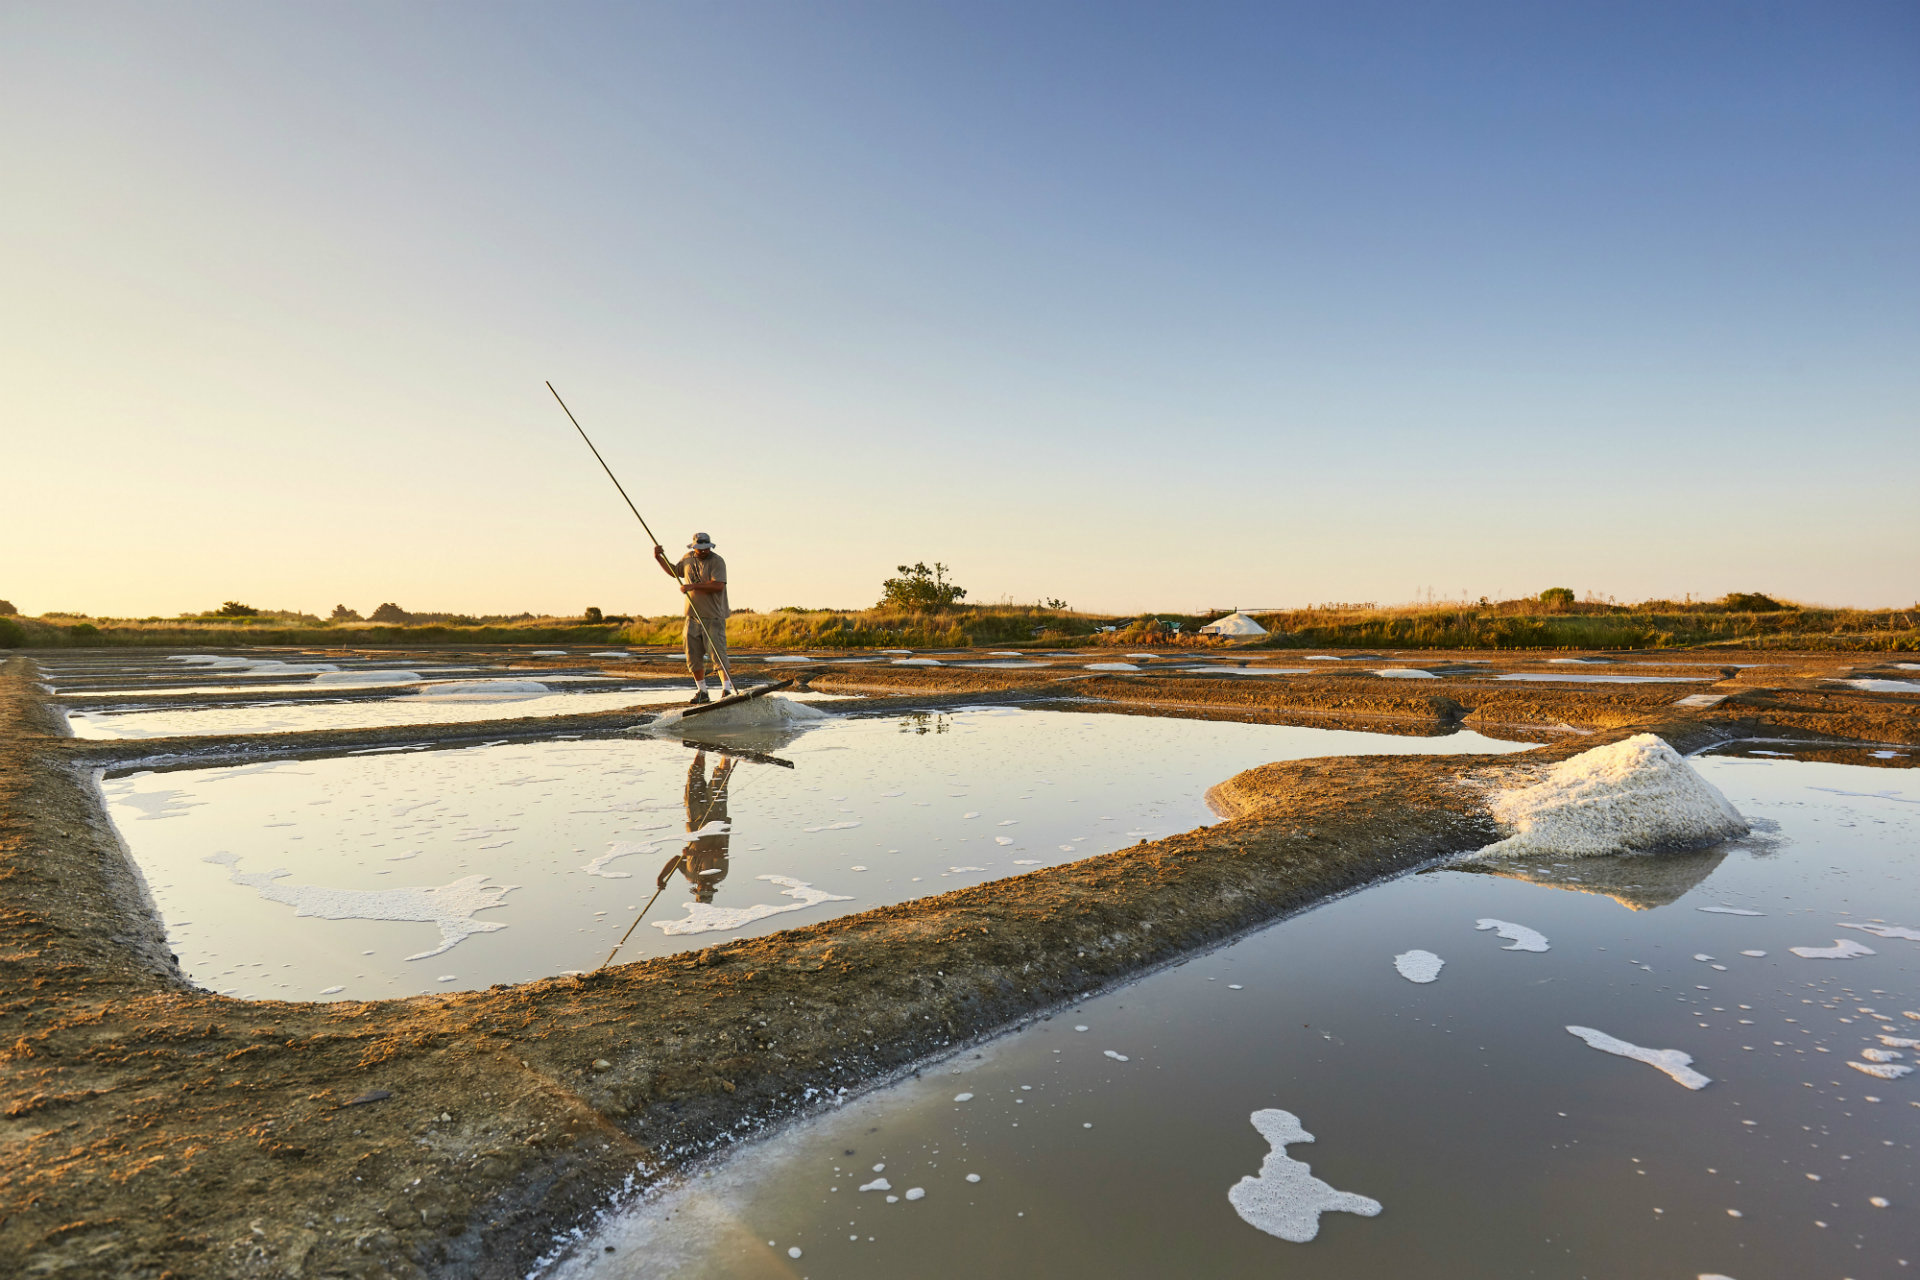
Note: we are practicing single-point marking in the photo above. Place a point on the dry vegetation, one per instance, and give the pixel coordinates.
(1555, 622)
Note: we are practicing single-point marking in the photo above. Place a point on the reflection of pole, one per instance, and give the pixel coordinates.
(666, 873)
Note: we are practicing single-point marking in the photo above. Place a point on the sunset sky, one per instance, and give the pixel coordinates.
(1139, 305)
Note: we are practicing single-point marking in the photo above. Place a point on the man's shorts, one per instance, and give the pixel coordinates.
(698, 658)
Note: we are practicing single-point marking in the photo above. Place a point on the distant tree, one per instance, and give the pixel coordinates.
(7, 610)
(343, 614)
(390, 612)
(1751, 602)
(1557, 597)
(234, 609)
(919, 587)
(1058, 606)
(593, 616)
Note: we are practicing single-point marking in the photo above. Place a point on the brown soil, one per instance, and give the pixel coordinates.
(154, 1129)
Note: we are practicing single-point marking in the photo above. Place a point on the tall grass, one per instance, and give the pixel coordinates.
(1594, 627)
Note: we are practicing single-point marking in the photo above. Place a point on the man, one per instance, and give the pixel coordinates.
(702, 576)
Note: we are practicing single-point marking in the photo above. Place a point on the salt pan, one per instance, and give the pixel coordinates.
(1673, 1062)
(1285, 1199)
(1418, 966)
(1636, 794)
(1522, 938)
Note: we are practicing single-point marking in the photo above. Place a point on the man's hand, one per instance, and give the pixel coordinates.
(660, 556)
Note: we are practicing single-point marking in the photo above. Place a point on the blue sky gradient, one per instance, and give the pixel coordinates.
(1138, 305)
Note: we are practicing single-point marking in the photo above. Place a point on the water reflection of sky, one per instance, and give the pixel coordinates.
(1498, 1143)
(875, 810)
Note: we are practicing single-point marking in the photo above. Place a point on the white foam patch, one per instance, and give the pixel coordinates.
(1729, 911)
(1673, 1062)
(617, 849)
(1638, 794)
(1521, 937)
(479, 690)
(1882, 1070)
(1885, 931)
(610, 653)
(1885, 686)
(367, 677)
(1406, 673)
(917, 662)
(1111, 666)
(1285, 1199)
(1418, 966)
(704, 917)
(548, 653)
(769, 712)
(451, 907)
(1842, 949)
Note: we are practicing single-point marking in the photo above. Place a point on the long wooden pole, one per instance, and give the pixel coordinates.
(719, 653)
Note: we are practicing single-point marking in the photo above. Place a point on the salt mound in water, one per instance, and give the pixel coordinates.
(1636, 795)
(769, 712)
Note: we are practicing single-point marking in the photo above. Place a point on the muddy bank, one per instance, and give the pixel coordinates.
(153, 1128)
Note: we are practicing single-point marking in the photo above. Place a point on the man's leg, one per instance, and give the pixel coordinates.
(719, 631)
(697, 660)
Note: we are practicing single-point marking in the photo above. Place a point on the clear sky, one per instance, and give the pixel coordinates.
(1135, 304)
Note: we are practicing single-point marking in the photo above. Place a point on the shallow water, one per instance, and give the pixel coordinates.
(361, 713)
(1106, 1138)
(873, 811)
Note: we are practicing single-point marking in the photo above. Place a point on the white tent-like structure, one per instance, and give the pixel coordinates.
(1234, 624)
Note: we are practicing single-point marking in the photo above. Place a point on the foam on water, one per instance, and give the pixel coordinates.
(449, 906)
(1111, 666)
(1729, 911)
(1885, 686)
(1521, 937)
(1673, 1062)
(1842, 949)
(1638, 794)
(1418, 966)
(367, 677)
(1285, 1199)
(1406, 673)
(1885, 930)
(1882, 1070)
(473, 690)
(704, 917)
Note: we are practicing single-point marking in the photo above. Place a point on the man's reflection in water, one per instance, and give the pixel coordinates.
(704, 860)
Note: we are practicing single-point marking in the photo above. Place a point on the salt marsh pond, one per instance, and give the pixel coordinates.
(1496, 1140)
(396, 872)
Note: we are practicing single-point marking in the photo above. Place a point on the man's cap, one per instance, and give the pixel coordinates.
(701, 542)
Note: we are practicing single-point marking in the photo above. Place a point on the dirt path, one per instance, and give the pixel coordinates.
(155, 1129)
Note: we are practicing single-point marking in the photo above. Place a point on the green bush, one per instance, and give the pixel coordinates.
(919, 587)
(12, 634)
(1557, 597)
